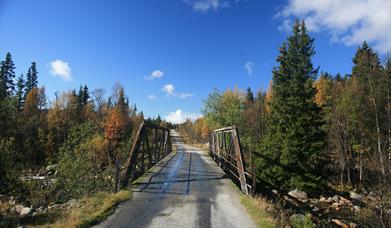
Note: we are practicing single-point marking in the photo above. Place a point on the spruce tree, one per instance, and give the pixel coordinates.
(250, 95)
(294, 139)
(86, 95)
(31, 78)
(7, 76)
(20, 87)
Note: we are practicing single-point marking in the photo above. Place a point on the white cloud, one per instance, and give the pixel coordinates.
(204, 6)
(248, 66)
(348, 21)
(169, 89)
(179, 117)
(184, 95)
(152, 97)
(59, 68)
(155, 74)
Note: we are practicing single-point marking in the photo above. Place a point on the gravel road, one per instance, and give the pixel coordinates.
(186, 189)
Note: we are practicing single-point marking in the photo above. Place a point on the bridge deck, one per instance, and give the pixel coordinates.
(186, 189)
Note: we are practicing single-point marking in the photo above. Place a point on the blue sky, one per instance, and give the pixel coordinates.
(169, 55)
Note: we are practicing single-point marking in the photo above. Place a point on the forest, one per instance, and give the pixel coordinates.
(329, 131)
(334, 131)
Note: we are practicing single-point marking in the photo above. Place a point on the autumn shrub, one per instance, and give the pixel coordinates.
(81, 169)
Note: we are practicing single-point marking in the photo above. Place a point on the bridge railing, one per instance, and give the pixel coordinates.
(226, 150)
(152, 143)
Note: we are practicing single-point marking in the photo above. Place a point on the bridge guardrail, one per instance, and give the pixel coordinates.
(226, 150)
(152, 144)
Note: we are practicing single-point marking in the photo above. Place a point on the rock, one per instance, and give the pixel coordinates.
(335, 198)
(353, 225)
(356, 208)
(18, 208)
(335, 205)
(345, 201)
(372, 196)
(322, 199)
(12, 201)
(329, 200)
(25, 211)
(315, 209)
(355, 196)
(300, 195)
(51, 169)
(339, 223)
(275, 192)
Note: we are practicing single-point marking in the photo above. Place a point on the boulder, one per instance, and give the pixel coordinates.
(300, 195)
(322, 199)
(356, 208)
(25, 211)
(345, 202)
(335, 199)
(356, 196)
(18, 208)
(372, 196)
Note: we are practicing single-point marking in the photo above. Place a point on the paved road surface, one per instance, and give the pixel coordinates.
(186, 189)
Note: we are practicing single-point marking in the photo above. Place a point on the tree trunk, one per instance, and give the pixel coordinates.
(389, 122)
(377, 128)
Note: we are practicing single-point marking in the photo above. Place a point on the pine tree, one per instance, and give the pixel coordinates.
(294, 139)
(31, 78)
(7, 76)
(20, 85)
(250, 95)
(86, 95)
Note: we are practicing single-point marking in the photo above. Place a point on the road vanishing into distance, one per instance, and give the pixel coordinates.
(186, 189)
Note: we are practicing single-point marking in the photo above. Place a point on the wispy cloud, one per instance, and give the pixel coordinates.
(248, 66)
(154, 75)
(152, 97)
(349, 21)
(169, 89)
(61, 69)
(205, 6)
(179, 117)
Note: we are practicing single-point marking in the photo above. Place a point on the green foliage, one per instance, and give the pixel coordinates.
(31, 78)
(304, 222)
(7, 76)
(78, 171)
(294, 140)
(9, 181)
(224, 109)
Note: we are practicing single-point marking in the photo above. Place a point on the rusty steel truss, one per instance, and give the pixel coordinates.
(226, 150)
(152, 143)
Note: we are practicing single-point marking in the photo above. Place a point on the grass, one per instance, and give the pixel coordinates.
(92, 210)
(264, 213)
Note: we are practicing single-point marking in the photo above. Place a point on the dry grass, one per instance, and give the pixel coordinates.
(264, 212)
(92, 210)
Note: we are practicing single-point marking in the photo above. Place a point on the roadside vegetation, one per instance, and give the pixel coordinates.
(61, 152)
(321, 142)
